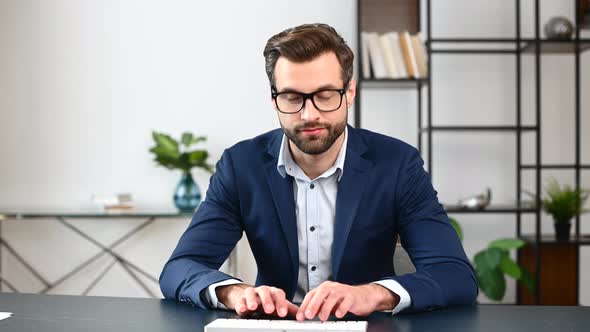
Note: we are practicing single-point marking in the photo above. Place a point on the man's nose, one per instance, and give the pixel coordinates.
(309, 111)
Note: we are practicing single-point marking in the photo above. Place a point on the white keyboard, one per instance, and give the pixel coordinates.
(251, 325)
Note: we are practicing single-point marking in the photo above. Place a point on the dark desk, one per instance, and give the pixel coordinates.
(57, 313)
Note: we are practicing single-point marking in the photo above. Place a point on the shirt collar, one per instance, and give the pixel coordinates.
(286, 159)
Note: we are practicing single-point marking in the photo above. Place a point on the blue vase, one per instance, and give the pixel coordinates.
(188, 194)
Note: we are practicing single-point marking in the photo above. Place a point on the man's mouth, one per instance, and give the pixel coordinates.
(312, 131)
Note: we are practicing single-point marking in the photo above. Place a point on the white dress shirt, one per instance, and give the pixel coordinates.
(315, 204)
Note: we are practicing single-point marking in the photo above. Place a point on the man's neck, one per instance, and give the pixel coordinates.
(315, 165)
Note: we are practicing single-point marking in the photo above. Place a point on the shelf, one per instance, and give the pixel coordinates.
(555, 166)
(475, 45)
(479, 128)
(472, 40)
(556, 46)
(508, 45)
(406, 83)
(98, 213)
(473, 51)
(550, 239)
(490, 209)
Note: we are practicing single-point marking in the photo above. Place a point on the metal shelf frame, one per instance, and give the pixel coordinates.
(518, 47)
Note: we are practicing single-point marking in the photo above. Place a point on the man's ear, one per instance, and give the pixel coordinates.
(351, 92)
(274, 105)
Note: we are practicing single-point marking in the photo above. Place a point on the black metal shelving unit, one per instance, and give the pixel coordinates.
(518, 47)
(405, 83)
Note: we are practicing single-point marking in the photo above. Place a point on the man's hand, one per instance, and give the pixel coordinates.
(245, 300)
(339, 299)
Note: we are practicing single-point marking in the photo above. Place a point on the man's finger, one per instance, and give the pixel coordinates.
(242, 308)
(344, 307)
(266, 299)
(252, 299)
(301, 312)
(280, 301)
(328, 306)
(316, 302)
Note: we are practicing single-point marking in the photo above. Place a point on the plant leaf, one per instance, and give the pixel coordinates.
(209, 168)
(187, 138)
(198, 139)
(488, 259)
(528, 281)
(457, 228)
(184, 163)
(197, 157)
(492, 283)
(510, 267)
(170, 163)
(507, 244)
(161, 151)
(165, 141)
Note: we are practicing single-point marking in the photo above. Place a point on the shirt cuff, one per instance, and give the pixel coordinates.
(212, 296)
(404, 297)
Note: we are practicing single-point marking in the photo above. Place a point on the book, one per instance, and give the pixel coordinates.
(420, 55)
(398, 56)
(121, 201)
(365, 55)
(387, 50)
(409, 57)
(376, 56)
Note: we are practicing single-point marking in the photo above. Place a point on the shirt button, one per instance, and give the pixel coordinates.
(312, 186)
(313, 268)
(312, 228)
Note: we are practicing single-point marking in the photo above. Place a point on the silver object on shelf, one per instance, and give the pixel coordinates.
(559, 28)
(477, 202)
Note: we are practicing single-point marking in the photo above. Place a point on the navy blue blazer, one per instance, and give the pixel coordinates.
(384, 193)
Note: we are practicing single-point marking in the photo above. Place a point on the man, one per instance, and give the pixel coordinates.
(322, 205)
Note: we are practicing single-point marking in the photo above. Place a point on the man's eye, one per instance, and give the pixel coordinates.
(325, 95)
(292, 97)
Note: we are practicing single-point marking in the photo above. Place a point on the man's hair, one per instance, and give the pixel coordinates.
(304, 43)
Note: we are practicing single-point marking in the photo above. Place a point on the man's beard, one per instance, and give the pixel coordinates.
(314, 144)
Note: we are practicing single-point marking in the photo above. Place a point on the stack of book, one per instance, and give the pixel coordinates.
(121, 201)
(393, 55)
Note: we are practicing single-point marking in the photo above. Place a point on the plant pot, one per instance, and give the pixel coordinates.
(188, 194)
(562, 230)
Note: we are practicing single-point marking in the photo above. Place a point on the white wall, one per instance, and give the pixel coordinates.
(83, 83)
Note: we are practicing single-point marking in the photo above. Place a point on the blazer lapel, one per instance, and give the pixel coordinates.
(284, 201)
(350, 191)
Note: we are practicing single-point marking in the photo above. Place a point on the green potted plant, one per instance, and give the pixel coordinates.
(563, 203)
(174, 154)
(494, 263)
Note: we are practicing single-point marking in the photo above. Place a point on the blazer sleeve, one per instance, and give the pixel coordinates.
(444, 276)
(207, 242)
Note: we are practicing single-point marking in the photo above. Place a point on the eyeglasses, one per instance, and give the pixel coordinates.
(325, 100)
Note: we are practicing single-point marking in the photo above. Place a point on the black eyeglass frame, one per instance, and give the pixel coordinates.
(306, 96)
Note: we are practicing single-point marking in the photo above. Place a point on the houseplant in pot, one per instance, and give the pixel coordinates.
(563, 203)
(493, 264)
(180, 155)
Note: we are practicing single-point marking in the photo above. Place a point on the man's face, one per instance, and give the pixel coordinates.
(312, 131)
